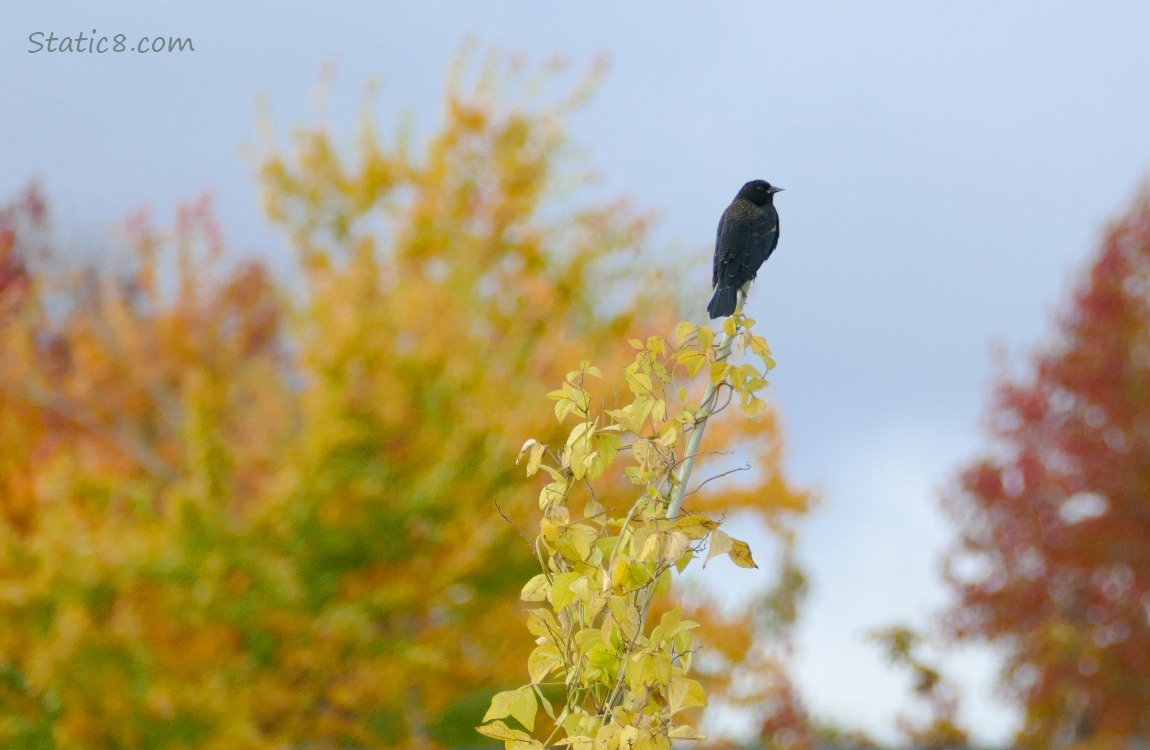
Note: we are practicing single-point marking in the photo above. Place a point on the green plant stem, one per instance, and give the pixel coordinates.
(680, 490)
(678, 493)
(709, 397)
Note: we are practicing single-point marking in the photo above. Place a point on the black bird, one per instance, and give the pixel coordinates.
(748, 233)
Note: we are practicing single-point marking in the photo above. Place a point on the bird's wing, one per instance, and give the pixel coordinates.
(765, 236)
(747, 235)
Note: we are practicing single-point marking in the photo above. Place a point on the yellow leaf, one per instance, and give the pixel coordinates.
(588, 638)
(652, 669)
(578, 396)
(563, 407)
(543, 661)
(741, 554)
(550, 526)
(624, 419)
(754, 384)
(706, 338)
(636, 475)
(718, 372)
(621, 581)
(683, 692)
(596, 604)
(754, 407)
(553, 494)
(695, 526)
(634, 738)
(659, 409)
(720, 544)
(541, 622)
(561, 593)
(526, 446)
(692, 360)
(593, 510)
(580, 724)
(723, 544)
(602, 658)
(685, 330)
(739, 375)
(581, 588)
(525, 706)
(543, 702)
(535, 459)
(497, 730)
(520, 704)
(576, 541)
(536, 589)
(623, 716)
(665, 547)
(579, 431)
(685, 732)
(642, 572)
(626, 616)
(608, 737)
(650, 549)
(642, 410)
(640, 384)
(676, 546)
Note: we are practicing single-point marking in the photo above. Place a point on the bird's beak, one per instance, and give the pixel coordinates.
(774, 190)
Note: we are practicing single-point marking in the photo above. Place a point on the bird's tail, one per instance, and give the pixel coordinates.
(723, 303)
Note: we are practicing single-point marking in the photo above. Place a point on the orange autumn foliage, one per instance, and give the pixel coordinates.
(240, 511)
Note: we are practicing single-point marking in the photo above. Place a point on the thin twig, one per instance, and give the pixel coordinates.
(745, 467)
(587, 481)
(508, 520)
(730, 397)
(703, 453)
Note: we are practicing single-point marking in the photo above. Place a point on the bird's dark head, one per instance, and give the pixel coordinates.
(758, 192)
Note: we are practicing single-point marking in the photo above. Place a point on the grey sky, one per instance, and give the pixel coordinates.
(948, 168)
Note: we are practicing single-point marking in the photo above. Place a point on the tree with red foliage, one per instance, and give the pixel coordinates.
(1053, 562)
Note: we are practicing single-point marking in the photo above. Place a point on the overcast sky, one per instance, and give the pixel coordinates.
(948, 169)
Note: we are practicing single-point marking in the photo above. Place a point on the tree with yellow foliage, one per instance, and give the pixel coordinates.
(245, 512)
(625, 683)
